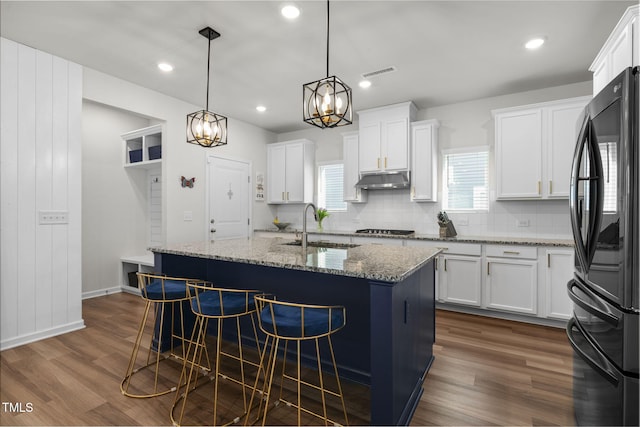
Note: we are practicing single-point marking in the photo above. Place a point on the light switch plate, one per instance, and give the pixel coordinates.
(53, 217)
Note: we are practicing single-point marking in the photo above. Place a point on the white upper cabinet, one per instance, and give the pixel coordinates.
(290, 171)
(534, 149)
(384, 138)
(619, 51)
(351, 170)
(424, 160)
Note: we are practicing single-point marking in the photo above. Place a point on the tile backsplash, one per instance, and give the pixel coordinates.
(393, 209)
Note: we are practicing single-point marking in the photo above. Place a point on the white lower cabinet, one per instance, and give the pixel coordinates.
(559, 270)
(511, 283)
(459, 279)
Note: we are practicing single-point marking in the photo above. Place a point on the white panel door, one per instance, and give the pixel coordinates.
(276, 184)
(369, 147)
(459, 279)
(395, 148)
(519, 154)
(294, 165)
(512, 285)
(229, 191)
(560, 146)
(560, 267)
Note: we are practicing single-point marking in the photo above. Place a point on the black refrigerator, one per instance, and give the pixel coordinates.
(604, 206)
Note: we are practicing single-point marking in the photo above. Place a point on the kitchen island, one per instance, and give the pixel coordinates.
(388, 292)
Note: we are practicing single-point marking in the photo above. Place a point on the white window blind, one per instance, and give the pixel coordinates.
(330, 187)
(466, 180)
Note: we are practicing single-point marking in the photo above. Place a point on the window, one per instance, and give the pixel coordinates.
(330, 187)
(466, 179)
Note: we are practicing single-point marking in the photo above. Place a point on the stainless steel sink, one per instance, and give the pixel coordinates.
(331, 245)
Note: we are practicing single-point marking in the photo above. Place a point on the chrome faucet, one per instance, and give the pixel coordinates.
(304, 222)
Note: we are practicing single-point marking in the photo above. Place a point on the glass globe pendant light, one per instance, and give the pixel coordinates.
(204, 127)
(326, 103)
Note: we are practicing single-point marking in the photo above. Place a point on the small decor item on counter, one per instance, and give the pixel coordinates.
(446, 226)
(187, 182)
(281, 225)
(322, 213)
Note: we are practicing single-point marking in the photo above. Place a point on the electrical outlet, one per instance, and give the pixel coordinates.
(522, 223)
(53, 217)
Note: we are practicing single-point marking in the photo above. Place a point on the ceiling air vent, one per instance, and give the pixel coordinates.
(379, 72)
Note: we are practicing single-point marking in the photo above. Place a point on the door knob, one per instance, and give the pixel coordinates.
(212, 221)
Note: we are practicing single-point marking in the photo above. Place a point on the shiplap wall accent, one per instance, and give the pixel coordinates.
(155, 208)
(40, 156)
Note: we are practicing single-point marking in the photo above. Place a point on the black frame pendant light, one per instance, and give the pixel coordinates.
(204, 127)
(327, 103)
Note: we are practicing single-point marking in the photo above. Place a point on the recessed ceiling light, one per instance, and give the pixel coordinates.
(165, 67)
(261, 108)
(364, 84)
(290, 11)
(535, 43)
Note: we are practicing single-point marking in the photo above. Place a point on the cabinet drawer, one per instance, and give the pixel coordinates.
(459, 248)
(512, 251)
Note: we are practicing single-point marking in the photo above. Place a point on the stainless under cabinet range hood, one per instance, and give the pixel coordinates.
(383, 180)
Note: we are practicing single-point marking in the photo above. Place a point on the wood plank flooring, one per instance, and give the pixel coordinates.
(486, 372)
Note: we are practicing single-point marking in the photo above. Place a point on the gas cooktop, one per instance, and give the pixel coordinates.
(389, 232)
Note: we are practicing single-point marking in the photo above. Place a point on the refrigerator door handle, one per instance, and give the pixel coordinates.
(575, 204)
(591, 309)
(603, 371)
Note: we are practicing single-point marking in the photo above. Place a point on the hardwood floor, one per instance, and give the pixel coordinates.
(486, 372)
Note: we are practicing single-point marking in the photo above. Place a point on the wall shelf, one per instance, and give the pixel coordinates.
(143, 147)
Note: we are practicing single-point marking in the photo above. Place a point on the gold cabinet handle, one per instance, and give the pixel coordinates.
(283, 195)
(378, 162)
(488, 268)
(385, 162)
(511, 252)
(548, 260)
(436, 264)
(550, 187)
(445, 264)
(287, 195)
(539, 187)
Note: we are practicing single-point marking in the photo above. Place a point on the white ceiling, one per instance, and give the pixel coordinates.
(444, 51)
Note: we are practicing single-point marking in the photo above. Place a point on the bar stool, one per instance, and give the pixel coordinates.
(289, 321)
(207, 303)
(166, 295)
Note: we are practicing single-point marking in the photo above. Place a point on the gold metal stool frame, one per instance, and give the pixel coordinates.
(238, 303)
(168, 291)
(266, 305)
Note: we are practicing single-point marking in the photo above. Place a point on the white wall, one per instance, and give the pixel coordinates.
(114, 199)
(124, 104)
(461, 125)
(40, 152)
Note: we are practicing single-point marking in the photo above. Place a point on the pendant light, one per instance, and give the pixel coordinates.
(204, 127)
(326, 103)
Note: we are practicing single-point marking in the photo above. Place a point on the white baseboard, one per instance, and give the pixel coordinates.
(101, 292)
(36, 336)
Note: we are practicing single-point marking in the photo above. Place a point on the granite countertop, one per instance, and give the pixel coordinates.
(368, 261)
(494, 240)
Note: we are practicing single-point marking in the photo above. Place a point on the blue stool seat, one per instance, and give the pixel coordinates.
(173, 289)
(163, 335)
(288, 321)
(233, 303)
(207, 303)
